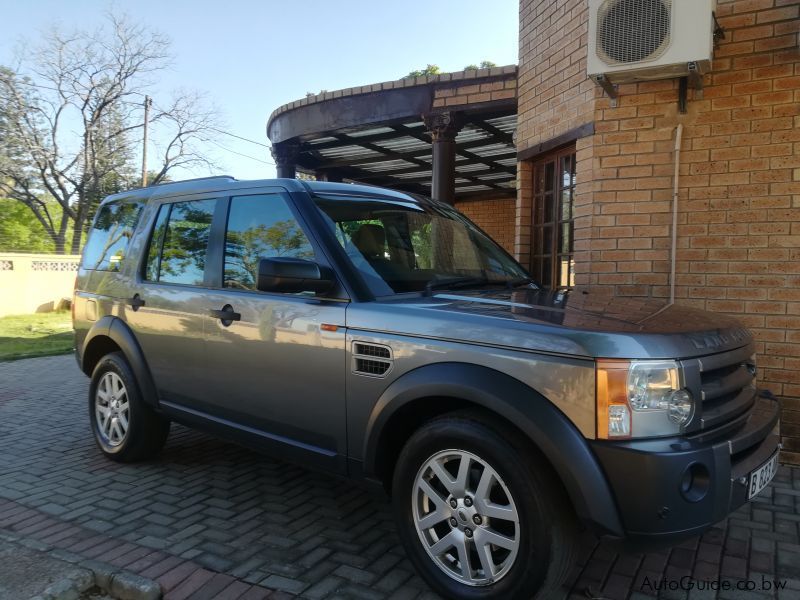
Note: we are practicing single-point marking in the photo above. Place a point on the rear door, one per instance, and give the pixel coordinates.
(169, 305)
(280, 368)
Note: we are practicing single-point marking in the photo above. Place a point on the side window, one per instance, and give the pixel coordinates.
(260, 226)
(185, 235)
(110, 234)
(156, 239)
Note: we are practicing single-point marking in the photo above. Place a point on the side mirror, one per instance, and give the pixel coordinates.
(292, 275)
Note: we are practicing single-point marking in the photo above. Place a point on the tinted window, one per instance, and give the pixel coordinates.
(183, 258)
(260, 227)
(110, 234)
(154, 251)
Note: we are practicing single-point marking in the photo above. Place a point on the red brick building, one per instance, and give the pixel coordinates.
(595, 181)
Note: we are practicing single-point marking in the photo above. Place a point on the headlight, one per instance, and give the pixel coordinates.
(641, 399)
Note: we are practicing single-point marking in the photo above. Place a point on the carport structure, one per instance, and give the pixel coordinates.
(448, 136)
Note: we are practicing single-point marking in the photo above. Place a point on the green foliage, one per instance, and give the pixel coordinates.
(429, 70)
(20, 231)
(484, 64)
(434, 69)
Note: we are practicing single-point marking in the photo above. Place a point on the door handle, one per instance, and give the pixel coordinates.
(136, 302)
(226, 315)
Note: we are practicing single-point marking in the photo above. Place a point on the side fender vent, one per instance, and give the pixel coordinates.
(371, 360)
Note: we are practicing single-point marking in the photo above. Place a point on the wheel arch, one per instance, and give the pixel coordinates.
(441, 388)
(111, 334)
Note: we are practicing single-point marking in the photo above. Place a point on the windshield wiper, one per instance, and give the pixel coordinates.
(520, 281)
(455, 283)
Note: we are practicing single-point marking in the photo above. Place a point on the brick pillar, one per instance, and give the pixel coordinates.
(523, 213)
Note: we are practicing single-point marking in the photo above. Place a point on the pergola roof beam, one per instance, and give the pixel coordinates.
(461, 149)
(402, 155)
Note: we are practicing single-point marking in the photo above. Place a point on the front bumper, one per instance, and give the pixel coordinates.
(658, 501)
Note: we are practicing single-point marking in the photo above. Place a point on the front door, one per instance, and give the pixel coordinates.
(278, 360)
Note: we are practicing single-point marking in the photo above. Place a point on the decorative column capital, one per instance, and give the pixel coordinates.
(285, 154)
(443, 125)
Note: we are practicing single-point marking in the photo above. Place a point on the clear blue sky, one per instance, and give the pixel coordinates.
(253, 56)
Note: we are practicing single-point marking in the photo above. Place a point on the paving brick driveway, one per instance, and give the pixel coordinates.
(210, 519)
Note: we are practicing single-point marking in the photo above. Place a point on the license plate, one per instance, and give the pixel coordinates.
(760, 478)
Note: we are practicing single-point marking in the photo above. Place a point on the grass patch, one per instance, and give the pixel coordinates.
(42, 334)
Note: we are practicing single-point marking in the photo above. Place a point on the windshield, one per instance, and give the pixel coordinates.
(404, 246)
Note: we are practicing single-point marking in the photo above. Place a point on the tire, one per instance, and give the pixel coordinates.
(537, 549)
(114, 394)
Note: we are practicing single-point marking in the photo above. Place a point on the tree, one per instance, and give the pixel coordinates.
(434, 69)
(429, 70)
(20, 233)
(93, 82)
(485, 64)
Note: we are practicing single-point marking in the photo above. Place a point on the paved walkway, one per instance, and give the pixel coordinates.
(209, 519)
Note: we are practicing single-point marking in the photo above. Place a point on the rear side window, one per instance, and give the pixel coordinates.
(110, 234)
(154, 251)
(260, 226)
(178, 246)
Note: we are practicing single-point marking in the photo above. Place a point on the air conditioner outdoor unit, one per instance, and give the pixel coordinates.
(639, 40)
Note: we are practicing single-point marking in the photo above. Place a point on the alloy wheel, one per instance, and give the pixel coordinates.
(112, 409)
(465, 517)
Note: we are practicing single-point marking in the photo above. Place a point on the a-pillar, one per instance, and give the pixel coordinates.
(443, 128)
(285, 155)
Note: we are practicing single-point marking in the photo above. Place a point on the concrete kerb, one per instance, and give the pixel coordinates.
(69, 588)
(119, 583)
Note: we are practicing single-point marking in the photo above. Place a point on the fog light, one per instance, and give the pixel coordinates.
(695, 482)
(680, 406)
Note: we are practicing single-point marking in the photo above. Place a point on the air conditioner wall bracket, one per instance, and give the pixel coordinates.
(693, 79)
(611, 90)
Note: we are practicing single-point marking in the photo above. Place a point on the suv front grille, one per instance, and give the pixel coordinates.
(724, 386)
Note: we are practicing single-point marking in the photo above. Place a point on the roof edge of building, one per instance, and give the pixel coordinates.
(394, 84)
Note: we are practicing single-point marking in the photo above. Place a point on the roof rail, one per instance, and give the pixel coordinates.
(228, 177)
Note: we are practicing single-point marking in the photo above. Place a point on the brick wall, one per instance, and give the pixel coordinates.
(554, 93)
(473, 91)
(739, 187)
(554, 96)
(494, 216)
